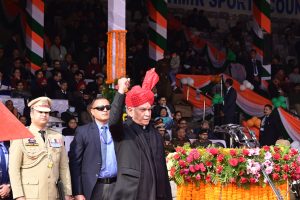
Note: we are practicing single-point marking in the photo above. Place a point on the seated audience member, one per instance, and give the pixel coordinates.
(163, 114)
(294, 76)
(23, 120)
(71, 127)
(189, 131)
(274, 89)
(85, 116)
(20, 92)
(42, 88)
(203, 140)
(63, 92)
(10, 106)
(4, 85)
(181, 139)
(167, 140)
(162, 102)
(93, 87)
(205, 125)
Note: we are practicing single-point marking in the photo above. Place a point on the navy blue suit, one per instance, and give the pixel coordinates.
(85, 156)
(229, 108)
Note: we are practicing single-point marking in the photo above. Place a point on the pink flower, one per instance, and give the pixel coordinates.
(277, 168)
(192, 169)
(232, 180)
(241, 173)
(182, 163)
(298, 170)
(252, 180)
(233, 162)
(220, 157)
(176, 156)
(245, 152)
(286, 157)
(275, 176)
(266, 148)
(276, 156)
(208, 163)
(293, 151)
(232, 152)
(189, 159)
(268, 156)
(208, 178)
(219, 169)
(243, 180)
(197, 167)
(242, 159)
(172, 171)
(202, 167)
(198, 177)
(188, 178)
(286, 168)
(213, 151)
(195, 153)
(285, 177)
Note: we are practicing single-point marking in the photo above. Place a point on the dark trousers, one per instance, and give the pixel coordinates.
(102, 191)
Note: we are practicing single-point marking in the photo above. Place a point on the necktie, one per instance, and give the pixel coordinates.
(103, 137)
(42, 134)
(255, 71)
(4, 174)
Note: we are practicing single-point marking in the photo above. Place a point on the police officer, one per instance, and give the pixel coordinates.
(37, 163)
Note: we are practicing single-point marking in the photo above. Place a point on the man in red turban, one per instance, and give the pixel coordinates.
(142, 171)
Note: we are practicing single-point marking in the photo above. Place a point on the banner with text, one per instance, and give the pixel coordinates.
(279, 8)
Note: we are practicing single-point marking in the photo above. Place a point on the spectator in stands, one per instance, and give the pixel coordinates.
(44, 68)
(85, 116)
(93, 87)
(42, 88)
(189, 131)
(174, 68)
(177, 117)
(10, 106)
(181, 138)
(3, 61)
(167, 121)
(23, 120)
(85, 52)
(274, 89)
(17, 76)
(20, 92)
(73, 82)
(62, 92)
(254, 70)
(54, 83)
(4, 85)
(57, 50)
(162, 102)
(206, 126)
(203, 140)
(66, 64)
(93, 68)
(71, 127)
(294, 76)
(276, 65)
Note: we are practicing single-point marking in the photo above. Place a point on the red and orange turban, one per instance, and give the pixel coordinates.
(140, 95)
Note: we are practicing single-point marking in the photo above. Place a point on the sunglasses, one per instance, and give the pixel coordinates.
(101, 108)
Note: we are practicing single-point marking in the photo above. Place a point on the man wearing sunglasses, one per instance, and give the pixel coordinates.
(142, 171)
(93, 162)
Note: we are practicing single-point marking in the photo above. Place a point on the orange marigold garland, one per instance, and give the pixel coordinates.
(116, 46)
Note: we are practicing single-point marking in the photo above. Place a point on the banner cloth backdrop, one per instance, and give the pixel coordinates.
(249, 101)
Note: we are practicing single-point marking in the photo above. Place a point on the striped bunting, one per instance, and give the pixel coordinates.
(158, 11)
(34, 33)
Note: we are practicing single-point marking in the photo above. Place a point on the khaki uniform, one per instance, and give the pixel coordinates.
(35, 166)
